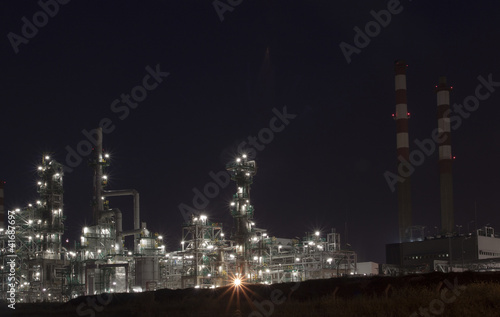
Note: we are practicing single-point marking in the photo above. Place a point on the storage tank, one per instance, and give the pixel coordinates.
(146, 273)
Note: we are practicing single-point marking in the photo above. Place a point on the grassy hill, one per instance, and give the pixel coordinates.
(452, 294)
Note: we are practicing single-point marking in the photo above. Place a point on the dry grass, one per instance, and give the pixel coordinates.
(479, 298)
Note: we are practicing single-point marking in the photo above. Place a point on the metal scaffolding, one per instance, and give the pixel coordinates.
(101, 263)
(36, 245)
(242, 171)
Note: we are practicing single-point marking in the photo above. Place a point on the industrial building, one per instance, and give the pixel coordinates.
(448, 250)
(477, 251)
(101, 263)
(34, 262)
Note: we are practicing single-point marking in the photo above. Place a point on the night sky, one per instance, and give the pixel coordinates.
(323, 170)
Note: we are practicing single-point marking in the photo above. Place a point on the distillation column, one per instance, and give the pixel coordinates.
(50, 189)
(242, 172)
(98, 163)
(101, 209)
(445, 156)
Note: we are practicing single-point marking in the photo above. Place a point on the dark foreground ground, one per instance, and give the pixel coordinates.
(435, 294)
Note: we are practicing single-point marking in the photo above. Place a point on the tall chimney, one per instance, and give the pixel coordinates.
(98, 161)
(445, 156)
(2, 209)
(403, 152)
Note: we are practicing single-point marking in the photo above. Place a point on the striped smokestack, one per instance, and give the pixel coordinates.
(2, 209)
(403, 152)
(445, 157)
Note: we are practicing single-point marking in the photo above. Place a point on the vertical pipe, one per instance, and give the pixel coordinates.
(403, 152)
(137, 223)
(119, 230)
(100, 203)
(445, 156)
(126, 278)
(98, 160)
(135, 194)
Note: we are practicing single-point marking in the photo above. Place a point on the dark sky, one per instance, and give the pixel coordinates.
(324, 169)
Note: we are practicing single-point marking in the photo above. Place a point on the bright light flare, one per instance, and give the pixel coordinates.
(237, 282)
(237, 291)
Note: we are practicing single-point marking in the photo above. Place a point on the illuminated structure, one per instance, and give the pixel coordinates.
(207, 256)
(102, 263)
(242, 172)
(39, 228)
(202, 251)
(208, 259)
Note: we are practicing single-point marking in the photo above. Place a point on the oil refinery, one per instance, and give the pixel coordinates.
(35, 263)
(44, 270)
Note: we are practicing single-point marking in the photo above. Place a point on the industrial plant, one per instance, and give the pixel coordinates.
(208, 257)
(448, 250)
